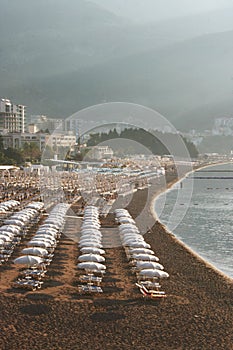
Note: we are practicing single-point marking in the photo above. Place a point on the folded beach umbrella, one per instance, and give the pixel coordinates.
(28, 260)
(91, 257)
(145, 257)
(153, 273)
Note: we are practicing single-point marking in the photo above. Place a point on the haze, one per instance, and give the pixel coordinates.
(156, 10)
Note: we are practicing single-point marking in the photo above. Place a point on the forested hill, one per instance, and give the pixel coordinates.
(131, 141)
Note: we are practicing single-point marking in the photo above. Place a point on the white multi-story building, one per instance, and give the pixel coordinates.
(223, 126)
(12, 117)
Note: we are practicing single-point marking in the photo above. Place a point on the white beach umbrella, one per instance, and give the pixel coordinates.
(15, 222)
(92, 250)
(90, 244)
(142, 265)
(141, 251)
(29, 260)
(90, 238)
(91, 231)
(7, 233)
(153, 273)
(6, 238)
(145, 257)
(35, 251)
(10, 228)
(132, 228)
(90, 266)
(42, 244)
(91, 257)
(140, 245)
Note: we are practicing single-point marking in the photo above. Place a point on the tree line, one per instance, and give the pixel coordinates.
(156, 142)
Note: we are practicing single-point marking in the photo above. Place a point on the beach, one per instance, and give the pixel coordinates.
(196, 314)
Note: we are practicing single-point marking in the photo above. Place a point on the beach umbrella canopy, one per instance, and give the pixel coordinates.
(141, 251)
(138, 244)
(2, 242)
(142, 265)
(28, 260)
(92, 250)
(7, 233)
(35, 251)
(91, 231)
(91, 257)
(145, 257)
(91, 266)
(10, 228)
(15, 222)
(90, 238)
(6, 238)
(153, 273)
(90, 244)
(42, 244)
(44, 239)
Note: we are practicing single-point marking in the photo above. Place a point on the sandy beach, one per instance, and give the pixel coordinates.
(197, 313)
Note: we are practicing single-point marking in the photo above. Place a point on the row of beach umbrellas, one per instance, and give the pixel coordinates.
(90, 243)
(45, 240)
(7, 206)
(16, 226)
(143, 259)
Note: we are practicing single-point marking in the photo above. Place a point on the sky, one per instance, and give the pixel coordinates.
(155, 10)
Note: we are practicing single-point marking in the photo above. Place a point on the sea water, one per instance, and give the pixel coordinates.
(199, 211)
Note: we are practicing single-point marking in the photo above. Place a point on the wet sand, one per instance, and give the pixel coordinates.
(197, 313)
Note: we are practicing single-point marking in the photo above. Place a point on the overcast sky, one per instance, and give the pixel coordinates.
(154, 10)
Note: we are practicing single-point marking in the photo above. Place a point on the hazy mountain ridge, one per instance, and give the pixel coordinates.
(69, 57)
(183, 82)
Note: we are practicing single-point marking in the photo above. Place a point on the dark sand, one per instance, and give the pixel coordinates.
(197, 313)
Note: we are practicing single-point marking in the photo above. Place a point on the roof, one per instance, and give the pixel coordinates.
(8, 167)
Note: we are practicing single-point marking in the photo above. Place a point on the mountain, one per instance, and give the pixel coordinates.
(58, 58)
(189, 83)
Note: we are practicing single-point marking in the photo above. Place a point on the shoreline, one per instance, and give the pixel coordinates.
(179, 241)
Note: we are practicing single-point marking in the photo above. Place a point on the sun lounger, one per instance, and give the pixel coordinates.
(87, 288)
(36, 274)
(150, 285)
(90, 278)
(150, 294)
(30, 284)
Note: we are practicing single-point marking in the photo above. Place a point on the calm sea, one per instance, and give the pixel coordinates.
(199, 211)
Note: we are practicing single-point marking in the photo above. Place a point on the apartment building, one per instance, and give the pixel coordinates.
(12, 116)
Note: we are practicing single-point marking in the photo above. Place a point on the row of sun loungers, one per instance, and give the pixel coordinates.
(141, 258)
